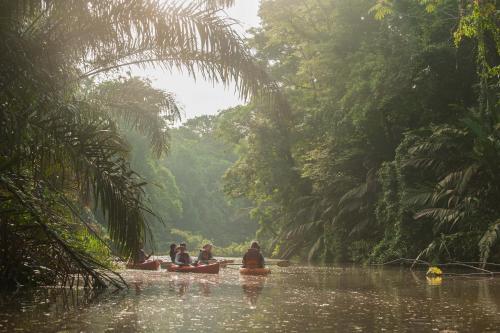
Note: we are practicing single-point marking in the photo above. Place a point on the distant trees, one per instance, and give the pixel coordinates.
(185, 188)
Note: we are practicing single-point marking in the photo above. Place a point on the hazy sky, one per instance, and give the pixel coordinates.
(200, 97)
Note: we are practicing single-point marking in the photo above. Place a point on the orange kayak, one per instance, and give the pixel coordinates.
(254, 271)
(207, 269)
(165, 264)
(151, 265)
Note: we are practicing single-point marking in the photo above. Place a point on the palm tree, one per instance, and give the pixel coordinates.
(61, 147)
(460, 167)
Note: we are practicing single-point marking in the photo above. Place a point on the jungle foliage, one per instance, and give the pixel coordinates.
(385, 142)
(62, 154)
(392, 147)
(185, 188)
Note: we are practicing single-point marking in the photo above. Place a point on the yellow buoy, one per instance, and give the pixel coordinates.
(434, 271)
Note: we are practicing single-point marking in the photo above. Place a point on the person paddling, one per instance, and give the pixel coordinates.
(141, 255)
(173, 251)
(182, 258)
(253, 258)
(205, 255)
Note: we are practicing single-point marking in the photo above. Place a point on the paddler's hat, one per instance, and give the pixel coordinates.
(255, 245)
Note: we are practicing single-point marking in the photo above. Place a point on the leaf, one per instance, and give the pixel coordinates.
(315, 248)
(489, 240)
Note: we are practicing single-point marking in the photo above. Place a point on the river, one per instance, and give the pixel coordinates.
(292, 299)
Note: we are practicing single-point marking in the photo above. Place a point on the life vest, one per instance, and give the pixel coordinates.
(172, 255)
(184, 258)
(205, 255)
(253, 259)
(140, 257)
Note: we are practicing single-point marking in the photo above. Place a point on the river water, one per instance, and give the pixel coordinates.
(292, 299)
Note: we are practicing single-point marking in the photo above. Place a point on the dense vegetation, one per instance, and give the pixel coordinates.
(185, 188)
(386, 145)
(62, 154)
(393, 145)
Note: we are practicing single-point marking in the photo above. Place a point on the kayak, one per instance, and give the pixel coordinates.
(254, 271)
(207, 269)
(165, 264)
(151, 265)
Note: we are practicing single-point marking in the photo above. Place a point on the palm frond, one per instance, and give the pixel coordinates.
(315, 248)
(217, 3)
(489, 240)
(419, 197)
(359, 227)
(355, 193)
(443, 215)
(68, 258)
(302, 229)
(424, 162)
(191, 37)
(145, 109)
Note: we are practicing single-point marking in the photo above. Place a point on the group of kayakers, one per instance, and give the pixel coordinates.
(180, 256)
(253, 258)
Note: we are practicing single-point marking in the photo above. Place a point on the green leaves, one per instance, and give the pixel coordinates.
(489, 240)
(141, 107)
(60, 131)
(460, 180)
(382, 9)
(384, 164)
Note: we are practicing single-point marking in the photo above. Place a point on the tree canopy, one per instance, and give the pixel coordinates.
(391, 149)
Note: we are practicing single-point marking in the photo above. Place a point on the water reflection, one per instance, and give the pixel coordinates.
(293, 299)
(181, 283)
(137, 287)
(434, 280)
(206, 284)
(252, 288)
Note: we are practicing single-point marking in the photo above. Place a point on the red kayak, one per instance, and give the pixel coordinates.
(150, 265)
(207, 269)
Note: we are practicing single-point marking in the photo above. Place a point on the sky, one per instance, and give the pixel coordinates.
(200, 97)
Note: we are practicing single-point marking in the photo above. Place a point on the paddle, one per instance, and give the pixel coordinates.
(221, 261)
(282, 263)
(211, 261)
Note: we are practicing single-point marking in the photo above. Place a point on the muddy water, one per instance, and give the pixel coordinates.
(293, 299)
